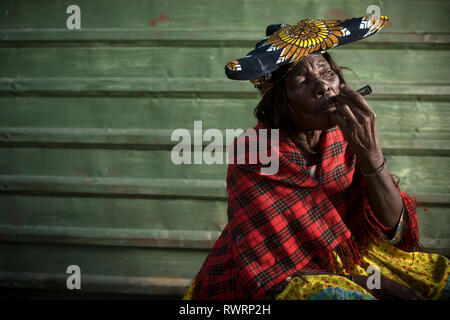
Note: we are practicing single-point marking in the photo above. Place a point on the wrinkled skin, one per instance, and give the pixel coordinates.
(312, 86)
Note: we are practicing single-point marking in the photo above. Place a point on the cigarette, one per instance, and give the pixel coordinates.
(364, 91)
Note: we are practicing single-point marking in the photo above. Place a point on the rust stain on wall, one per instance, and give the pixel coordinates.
(336, 13)
(161, 18)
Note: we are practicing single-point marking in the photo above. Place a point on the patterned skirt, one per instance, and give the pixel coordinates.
(427, 273)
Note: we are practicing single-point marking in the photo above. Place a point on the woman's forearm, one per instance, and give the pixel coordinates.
(384, 197)
(356, 119)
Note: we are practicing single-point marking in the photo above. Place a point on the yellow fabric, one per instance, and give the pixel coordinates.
(425, 272)
(301, 288)
(189, 292)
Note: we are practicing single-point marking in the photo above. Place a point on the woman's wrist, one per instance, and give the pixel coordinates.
(377, 172)
(371, 166)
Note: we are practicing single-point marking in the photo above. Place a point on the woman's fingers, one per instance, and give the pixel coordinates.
(341, 122)
(356, 98)
(357, 122)
(363, 117)
(349, 110)
(347, 114)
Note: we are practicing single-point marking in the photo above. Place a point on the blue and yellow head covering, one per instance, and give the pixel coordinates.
(285, 45)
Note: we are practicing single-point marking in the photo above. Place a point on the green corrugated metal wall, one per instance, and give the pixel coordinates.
(86, 116)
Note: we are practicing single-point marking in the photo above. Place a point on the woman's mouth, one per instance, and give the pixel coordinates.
(331, 106)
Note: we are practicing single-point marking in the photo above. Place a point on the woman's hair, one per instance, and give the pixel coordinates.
(274, 111)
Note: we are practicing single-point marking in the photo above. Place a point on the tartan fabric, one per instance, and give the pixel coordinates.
(280, 224)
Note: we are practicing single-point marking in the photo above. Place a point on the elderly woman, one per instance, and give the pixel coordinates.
(331, 223)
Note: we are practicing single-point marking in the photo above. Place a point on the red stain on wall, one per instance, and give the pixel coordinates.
(162, 18)
(199, 23)
(336, 13)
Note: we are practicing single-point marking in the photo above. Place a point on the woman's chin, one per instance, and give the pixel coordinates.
(314, 122)
(330, 123)
(326, 124)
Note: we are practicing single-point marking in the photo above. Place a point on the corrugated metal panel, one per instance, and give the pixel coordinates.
(86, 118)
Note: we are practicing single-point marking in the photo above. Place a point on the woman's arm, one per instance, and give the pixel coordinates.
(384, 197)
(356, 120)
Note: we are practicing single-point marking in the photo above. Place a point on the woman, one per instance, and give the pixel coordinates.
(332, 223)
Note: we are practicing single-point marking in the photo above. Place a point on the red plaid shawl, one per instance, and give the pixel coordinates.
(278, 223)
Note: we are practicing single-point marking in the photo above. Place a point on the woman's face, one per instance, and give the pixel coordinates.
(310, 86)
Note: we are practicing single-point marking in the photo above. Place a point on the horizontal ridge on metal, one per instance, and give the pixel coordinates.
(177, 87)
(156, 238)
(96, 283)
(141, 187)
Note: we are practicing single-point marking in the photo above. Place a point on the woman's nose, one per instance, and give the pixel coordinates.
(321, 88)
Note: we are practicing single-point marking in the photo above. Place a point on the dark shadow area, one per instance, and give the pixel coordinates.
(27, 294)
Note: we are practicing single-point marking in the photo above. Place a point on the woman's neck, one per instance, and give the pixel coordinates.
(308, 143)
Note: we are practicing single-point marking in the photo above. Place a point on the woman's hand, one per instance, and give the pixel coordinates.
(357, 122)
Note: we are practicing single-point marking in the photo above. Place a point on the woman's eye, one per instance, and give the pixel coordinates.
(327, 72)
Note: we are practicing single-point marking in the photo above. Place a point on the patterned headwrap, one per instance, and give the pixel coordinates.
(285, 45)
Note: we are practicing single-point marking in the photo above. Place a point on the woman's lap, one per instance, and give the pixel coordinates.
(425, 272)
